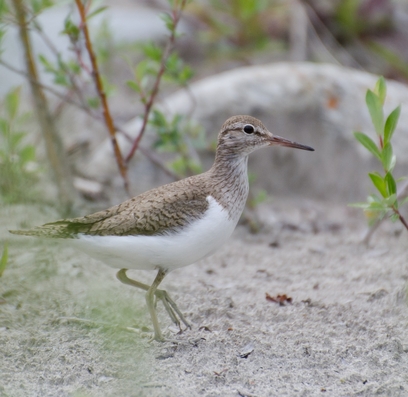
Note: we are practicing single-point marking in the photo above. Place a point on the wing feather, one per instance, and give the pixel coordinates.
(157, 211)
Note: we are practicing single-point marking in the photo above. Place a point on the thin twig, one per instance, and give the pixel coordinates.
(53, 91)
(166, 53)
(314, 17)
(98, 83)
(400, 217)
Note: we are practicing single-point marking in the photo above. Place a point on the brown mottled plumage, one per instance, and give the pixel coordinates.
(176, 224)
(154, 212)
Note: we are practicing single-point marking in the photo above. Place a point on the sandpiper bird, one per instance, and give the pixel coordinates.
(176, 224)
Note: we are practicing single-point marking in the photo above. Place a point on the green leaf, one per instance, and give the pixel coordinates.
(374, 206)
(379, 183)
(391, 123)
(46, 63)
(376, 112)
(195, 167)
(380, 89)
(373, 198)
(40, 5)
(359, 205)
(185, 74)
(108, 88)
(387, 157)
(152, 51)
(391, 185)
(168, 20)
(73, 66)
(392, 162)
(394, 217)
(12, 102)
(15, 138)
(390, 201)
(144, 68)
(96, 12)
(93, 102)
(159, 119)
(61, 79)
(374, 216)
(259, 198)
(27, 154)
(71, 30)
(369, 144)
(4, 259)
(133, 85)
(4, 126)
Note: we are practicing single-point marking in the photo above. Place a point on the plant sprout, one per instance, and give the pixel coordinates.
(386, 202)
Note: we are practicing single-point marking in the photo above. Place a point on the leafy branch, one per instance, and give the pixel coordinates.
(74, 76)
(160, 64)
(377, 206)
(65, 98)
(148, 99)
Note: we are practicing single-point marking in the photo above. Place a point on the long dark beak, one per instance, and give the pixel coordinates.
(279, 141)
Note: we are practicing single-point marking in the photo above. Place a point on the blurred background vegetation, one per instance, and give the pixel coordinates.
(200, 38)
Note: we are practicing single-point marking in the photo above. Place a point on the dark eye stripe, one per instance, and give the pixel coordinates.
(249, 129)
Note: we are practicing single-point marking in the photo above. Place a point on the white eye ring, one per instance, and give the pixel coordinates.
(249, 129)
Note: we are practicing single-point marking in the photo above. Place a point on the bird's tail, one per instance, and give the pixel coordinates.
(50, 230)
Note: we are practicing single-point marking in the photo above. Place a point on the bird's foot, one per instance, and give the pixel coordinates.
(158, 337)
(161, 339)
(171, 309)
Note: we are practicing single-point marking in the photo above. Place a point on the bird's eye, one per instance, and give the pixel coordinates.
(249, 129)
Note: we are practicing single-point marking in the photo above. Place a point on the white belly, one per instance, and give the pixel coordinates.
(194, 242)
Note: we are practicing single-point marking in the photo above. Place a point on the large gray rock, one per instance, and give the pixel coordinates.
(315, 104)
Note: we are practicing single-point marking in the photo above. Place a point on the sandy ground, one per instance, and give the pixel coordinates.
(69, 328)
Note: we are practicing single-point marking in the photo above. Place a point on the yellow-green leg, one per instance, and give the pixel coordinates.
(152, 291)
(150, 294)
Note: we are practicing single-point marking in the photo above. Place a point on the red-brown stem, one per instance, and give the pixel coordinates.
(401, 218)
(148, 106)
(98, 83)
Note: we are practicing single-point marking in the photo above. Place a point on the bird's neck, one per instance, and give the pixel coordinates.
(226, 165)
(229, 175)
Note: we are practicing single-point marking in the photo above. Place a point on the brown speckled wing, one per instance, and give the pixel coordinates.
(157, 211)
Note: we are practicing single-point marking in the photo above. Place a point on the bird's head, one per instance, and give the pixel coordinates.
(241, 135)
